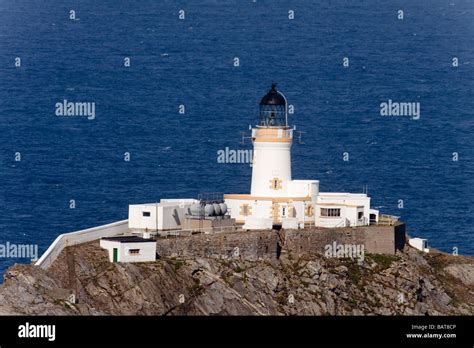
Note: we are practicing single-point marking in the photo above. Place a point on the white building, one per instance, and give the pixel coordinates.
(167, 215)
(275, 198)
(419, 243)
(129, 249)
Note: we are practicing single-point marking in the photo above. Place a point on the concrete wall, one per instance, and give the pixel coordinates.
(172, 216)
(254, 245)
(303, 188)
(138, 221)
(79, 237)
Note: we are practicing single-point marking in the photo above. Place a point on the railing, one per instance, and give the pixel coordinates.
(79, 237)
(388, 220)
(205, 230)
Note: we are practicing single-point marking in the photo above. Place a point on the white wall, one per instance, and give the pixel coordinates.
(256, 223)
(263, 209)
(172, 216)
(233, 207)
(166, 215)
(136, 220)
(260, 208)
(303, 188)
(79, 237)
(147, 251)
(179, 200)
(419, 243)
(349, 204)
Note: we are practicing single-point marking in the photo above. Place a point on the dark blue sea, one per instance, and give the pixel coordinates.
(191, 62)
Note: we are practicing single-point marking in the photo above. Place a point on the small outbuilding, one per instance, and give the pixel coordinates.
(129, 249)
(419, 243)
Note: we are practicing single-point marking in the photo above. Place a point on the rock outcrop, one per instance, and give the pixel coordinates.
(408, 283)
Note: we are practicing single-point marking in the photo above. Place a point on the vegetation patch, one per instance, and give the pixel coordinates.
(176, 264)
(382, 261)
(196, 289)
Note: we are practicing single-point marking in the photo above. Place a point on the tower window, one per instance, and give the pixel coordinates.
(331, 212)
(146, 213)
(284, 212)
(275, 184)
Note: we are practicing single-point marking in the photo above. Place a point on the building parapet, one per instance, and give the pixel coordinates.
(79, 237)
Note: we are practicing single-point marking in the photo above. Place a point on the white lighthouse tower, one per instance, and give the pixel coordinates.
(272, 139)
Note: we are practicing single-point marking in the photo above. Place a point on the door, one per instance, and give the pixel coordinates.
(115, 255)
(276, 213)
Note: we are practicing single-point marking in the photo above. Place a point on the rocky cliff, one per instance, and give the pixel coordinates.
(407, 283)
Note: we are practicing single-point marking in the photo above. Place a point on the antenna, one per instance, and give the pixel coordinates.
(299, 137)
(242, 134)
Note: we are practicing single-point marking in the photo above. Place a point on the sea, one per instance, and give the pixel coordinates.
(175, 82)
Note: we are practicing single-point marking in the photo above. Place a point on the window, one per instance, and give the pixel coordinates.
(146, 213)
(284, 212)
(331, 212)
(245, 210)
(275, 184)
(134, 251)
(360, 215)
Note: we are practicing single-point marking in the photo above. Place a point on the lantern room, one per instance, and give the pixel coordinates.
(273, 109)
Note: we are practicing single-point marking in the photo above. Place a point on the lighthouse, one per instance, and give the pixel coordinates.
(272, 139)
(276, 199)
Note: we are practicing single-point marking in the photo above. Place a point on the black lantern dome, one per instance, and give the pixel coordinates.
(273, 111)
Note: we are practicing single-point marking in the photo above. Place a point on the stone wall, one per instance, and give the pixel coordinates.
(254, 245)
(376, 239)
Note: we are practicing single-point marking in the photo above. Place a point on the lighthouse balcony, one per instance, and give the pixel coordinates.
(272, 135)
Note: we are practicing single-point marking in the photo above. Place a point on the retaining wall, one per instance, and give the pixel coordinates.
(254, 245)
(79, 237)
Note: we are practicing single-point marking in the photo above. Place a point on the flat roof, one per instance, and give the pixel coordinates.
(128, 239)
(342, 194)
(162, 204)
